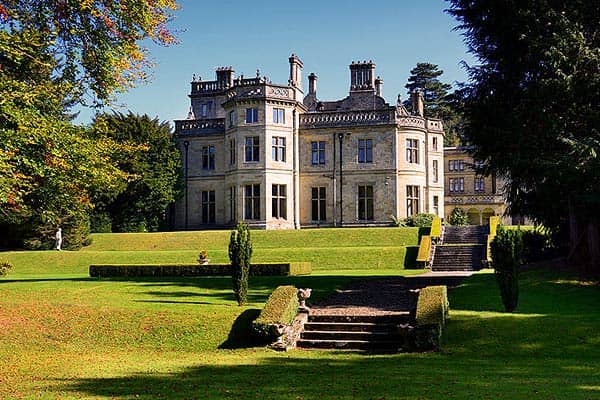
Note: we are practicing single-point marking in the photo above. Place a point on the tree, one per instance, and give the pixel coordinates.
(439, 102)
(49, 167)
(507, 255)
(52, 54)
(95, 44)
(154, 167)
(458, 217)
(240, 252)
(532, 110)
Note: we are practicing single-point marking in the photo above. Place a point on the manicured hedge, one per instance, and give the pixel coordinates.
(431, 314)
(176, 270)
(280, 309)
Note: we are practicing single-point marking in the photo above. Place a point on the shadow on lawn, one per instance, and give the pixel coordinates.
(342, 376)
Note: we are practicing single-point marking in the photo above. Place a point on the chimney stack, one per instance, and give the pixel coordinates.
(362, 76)
(295, 72)
(379, 86)
(312, 84)
(225, 77)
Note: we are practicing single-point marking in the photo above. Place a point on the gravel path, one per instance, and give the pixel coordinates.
(381, 296)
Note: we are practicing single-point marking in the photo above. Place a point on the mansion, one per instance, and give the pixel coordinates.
(278, 157)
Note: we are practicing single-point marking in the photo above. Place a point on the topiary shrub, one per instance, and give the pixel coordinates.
(240, 252)
(507, 253)
(420, 220)
(5, 267)
(430, 318)
(458, 217)
(280, 309)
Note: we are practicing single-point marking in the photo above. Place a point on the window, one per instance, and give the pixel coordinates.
(231, 151)
(252, 202)
(208, 206)
(252, 148)
(365, 150)
(365, 202)
(232, 204)
(479, 184)
(208, 157)
(251, 115)
(436, 205)
(232, 118)
(434, 143)
(435, 171)
(318, 204)
(279, 202)
(456, 165)
(457, 184)
(412, 200)
(317, 153)
(278, 148)
(204, 110)
(278, 116)
(412, 151)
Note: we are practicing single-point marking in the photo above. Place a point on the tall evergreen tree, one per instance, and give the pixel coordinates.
(533, 110)
(154, 166)
(439, 101)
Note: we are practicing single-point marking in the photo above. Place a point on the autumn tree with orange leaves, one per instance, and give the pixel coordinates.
(53, 55)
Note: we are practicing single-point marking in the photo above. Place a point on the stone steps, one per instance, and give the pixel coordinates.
(376, 333)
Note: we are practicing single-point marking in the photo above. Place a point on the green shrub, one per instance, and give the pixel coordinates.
(100, 223)
(537, 245)
(176, 270)
(280, 309)
(458, 217)
(420, 220)
(5, 267)
(507, 254)
(431, 314)
(240, 253)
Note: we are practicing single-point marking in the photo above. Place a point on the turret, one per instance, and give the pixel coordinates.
(362, 76)
(295, 72)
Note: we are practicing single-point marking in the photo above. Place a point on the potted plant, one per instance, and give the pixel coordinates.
(203, 257)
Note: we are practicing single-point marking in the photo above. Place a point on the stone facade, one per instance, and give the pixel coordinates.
(479, 196)
(270, 155)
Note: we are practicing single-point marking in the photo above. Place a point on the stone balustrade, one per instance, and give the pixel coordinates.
(410, 122)
(199, 126)
(475, 199)
(330, 119)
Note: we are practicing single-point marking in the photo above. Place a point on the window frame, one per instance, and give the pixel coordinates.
(279, 201)
(279, 116)
(318, 201)
(365, 203)
(251, 115)
(207, 207)
(252, 149)
(365, 151)
(413, 197)
(252, 201)
(317, 152)
(208, 157)
(412, 151)
(278, 148)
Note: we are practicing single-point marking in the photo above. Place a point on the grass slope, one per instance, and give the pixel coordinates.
(151, 339)
(327, 250)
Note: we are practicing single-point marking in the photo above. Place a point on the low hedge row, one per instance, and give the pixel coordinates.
(177, 270)
(431, 314)
(280, 309)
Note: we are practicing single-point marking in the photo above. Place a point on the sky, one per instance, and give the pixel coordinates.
(327, 35)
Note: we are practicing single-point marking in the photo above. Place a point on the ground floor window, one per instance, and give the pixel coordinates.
(208, 207)
(365, 202)
(232, 204)
(252, 202)
(412, 200)
(436, 205)
(318, 201)
(279, 202)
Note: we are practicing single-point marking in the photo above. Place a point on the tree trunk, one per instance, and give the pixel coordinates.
(584, 246)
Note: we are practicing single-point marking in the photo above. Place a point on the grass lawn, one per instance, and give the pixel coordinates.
(64, 335)
(327, 250)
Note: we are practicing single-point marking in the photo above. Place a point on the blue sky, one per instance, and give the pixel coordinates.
(327, 35)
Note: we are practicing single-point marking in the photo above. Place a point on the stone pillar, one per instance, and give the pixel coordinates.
(312, 84)
(379, 86)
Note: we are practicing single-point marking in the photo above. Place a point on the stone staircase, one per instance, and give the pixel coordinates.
(463, 249)
(373, 333)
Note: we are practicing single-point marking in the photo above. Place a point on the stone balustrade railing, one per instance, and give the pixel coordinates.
(326, 119)
(475, 199)
(435, 125)
(189, 126)
(410, 122)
